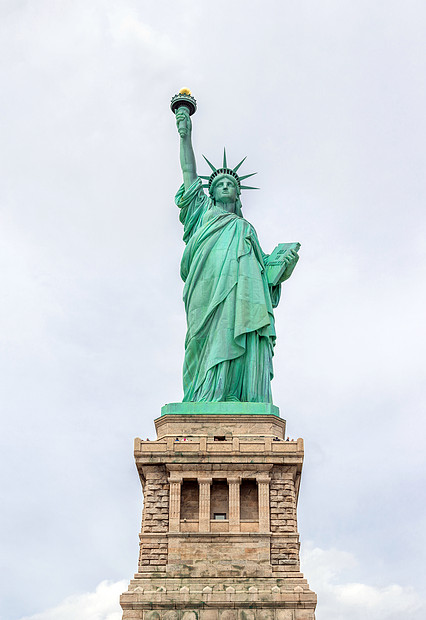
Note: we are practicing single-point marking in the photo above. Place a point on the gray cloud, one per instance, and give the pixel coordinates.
(327, 100)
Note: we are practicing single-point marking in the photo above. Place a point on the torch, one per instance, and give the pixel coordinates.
(183, 98)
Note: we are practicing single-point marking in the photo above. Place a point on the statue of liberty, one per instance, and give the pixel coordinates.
(231, 285)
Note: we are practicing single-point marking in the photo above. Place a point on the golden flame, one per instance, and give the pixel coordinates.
(184, 91)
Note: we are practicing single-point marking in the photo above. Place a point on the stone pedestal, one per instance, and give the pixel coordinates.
(219, 536)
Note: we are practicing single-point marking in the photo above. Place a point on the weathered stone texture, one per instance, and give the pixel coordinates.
(221, 614)
(284, 550)
(155, 520)
(221, 556)
(194, 565)
(153, 554)
(155, 515)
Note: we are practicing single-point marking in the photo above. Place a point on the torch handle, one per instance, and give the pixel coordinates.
(182, 124)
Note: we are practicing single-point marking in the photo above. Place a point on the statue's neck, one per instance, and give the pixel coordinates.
(230, 207)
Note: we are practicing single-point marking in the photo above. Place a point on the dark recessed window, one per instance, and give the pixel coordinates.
(220, 438)
(219, 516)
(189, 499)
(249, 500)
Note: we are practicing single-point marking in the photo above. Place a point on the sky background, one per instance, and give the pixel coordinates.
(327, 99)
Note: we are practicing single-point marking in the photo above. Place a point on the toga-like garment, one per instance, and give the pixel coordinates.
(229, 304)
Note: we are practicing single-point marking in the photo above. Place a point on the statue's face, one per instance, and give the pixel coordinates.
(225, 190)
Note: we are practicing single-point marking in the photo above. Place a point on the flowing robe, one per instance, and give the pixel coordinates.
(228, 302)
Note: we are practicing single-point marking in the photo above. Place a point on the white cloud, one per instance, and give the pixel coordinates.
(102, 604)
(338, 599)
(129, 27)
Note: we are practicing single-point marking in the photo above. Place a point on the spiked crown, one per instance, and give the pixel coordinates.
(232, 172)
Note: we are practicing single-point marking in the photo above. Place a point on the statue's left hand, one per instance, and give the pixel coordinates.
(291, 260)
(292, 257)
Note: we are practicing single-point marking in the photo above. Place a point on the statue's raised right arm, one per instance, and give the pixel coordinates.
(187, 157)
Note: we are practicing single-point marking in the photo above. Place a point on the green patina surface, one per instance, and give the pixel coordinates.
(229, 290)
(220, 408)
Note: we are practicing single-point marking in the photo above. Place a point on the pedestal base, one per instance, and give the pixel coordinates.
(275, 599)
(219, 536)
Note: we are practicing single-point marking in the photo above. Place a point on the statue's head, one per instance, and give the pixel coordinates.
(224, 184)
(224, 189)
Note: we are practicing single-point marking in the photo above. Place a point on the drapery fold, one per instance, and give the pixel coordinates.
(230, 322)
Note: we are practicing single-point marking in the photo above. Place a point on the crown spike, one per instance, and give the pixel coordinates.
(211, 165)
(241, 162)
(225, 170)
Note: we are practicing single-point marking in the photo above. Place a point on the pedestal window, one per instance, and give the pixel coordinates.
(219, 499)
(189, 506)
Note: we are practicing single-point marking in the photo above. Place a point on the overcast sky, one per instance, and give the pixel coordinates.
(327, 100)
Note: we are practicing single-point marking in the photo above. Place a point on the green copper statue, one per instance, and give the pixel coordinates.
(231, 286)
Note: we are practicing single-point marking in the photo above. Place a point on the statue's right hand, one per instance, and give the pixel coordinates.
(183, 122)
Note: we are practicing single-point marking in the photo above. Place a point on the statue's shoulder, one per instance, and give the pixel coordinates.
(185, 196)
